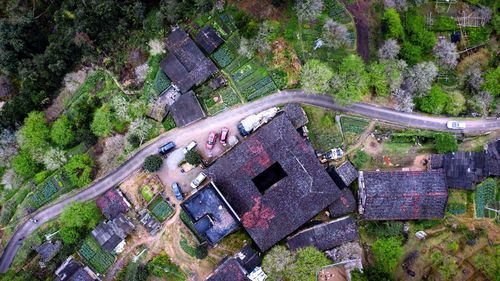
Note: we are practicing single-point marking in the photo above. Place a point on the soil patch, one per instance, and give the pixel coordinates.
(262, 9)
(360, 10)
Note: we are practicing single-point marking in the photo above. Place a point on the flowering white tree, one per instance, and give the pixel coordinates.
(404, 100)
(446, 53)
(308, 10)
(113, 147)
(394, 72)
(8, 147)
(246, 48)
(399, 5)
(481, 103)
(335, 34)
(121, 108)
(140, 127)
(419, 78)
(54, 158)
(389, 50)
(485, 13)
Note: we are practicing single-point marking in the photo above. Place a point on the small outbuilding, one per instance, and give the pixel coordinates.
(47, 251)
(208, 39)
(113, 203)
(111, 235)
(73, 270)
(325, 236)
(186, 110)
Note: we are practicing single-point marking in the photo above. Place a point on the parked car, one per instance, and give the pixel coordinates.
(166, 148)
(332, 154)
(211, 140)
(455, 125)
(177, 191)
(189, 147)
(198, 180)
(223, 136)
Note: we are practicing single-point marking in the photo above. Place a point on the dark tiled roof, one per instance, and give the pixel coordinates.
(325, 236)
(296, 115)
(73, 270)
(304, 191)
(229, 270)
(110, 234)
(343, 175)
(212, 217)
(5, 87)
(208, 39)
(151, 224)
(249, 258)
(463, 169)
(185, 65)
(48, 250)
(345, 205)
(493, 158)
(401, 195)
(112, 203)
(187, 109)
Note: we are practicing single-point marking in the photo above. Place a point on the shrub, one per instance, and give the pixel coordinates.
(384, 229)
(435, 101)
(201, 252)
(360, 159)
(445, 142)
(152, 163)
(193, 157)
(79, 170)
(387, 252)
(163, 267)
(391, 24)
(24, 165)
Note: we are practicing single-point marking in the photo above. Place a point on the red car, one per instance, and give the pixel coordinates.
(223, 136)
(211, 140)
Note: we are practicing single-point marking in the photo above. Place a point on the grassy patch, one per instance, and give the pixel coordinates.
(161, 209)
(147, 193)
(169, 123)
(457, 202)
(323, 131)
(187, 248)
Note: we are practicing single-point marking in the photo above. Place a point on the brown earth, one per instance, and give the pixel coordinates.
(360, 11)
(262, 9)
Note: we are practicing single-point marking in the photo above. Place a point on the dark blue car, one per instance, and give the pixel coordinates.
(177, 191)
(166, 148)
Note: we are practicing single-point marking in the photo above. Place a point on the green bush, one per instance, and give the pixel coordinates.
(163, 267)
(193, 157)
(387, 252)
(152, 163)
(201, 252)
(445, 142)
(391, 24)
(444, 23)
(384, 229)
(360, 159)
(169, 123)
(435, 101)
(412, 54)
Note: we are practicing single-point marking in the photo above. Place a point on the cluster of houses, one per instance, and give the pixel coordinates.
(273, 186)
(186, 66)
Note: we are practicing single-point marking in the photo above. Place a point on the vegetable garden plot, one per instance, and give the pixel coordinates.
(353, 125)
(337, 11)
(95, 256)
(485, 195)
(253, 81)
(227, 98)
(161, 209)
(48, 190)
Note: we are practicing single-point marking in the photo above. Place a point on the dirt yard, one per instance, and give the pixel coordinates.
(360, 11)
(262, 9)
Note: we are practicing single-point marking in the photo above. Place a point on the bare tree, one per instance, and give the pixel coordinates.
(308, 10)
(140, 127)
(113, 147)
(404, 100)
(394, 72)
(335, 34)
(389, 50)
(485, 13)
(399, 5)
(262, 42)
(472, 78)
(8, 147)
(54, 158)
(11, 180)
(419, 78)
(446, 53)
(481, 103)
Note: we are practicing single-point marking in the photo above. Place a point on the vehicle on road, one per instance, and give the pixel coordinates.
(455, 125)
(166, 148)
(212, 138)
(254, 121)
(198, 180)
(177, 191)
(223, 136)
(189, 147)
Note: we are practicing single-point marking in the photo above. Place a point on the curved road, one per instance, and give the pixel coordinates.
(184, 135)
